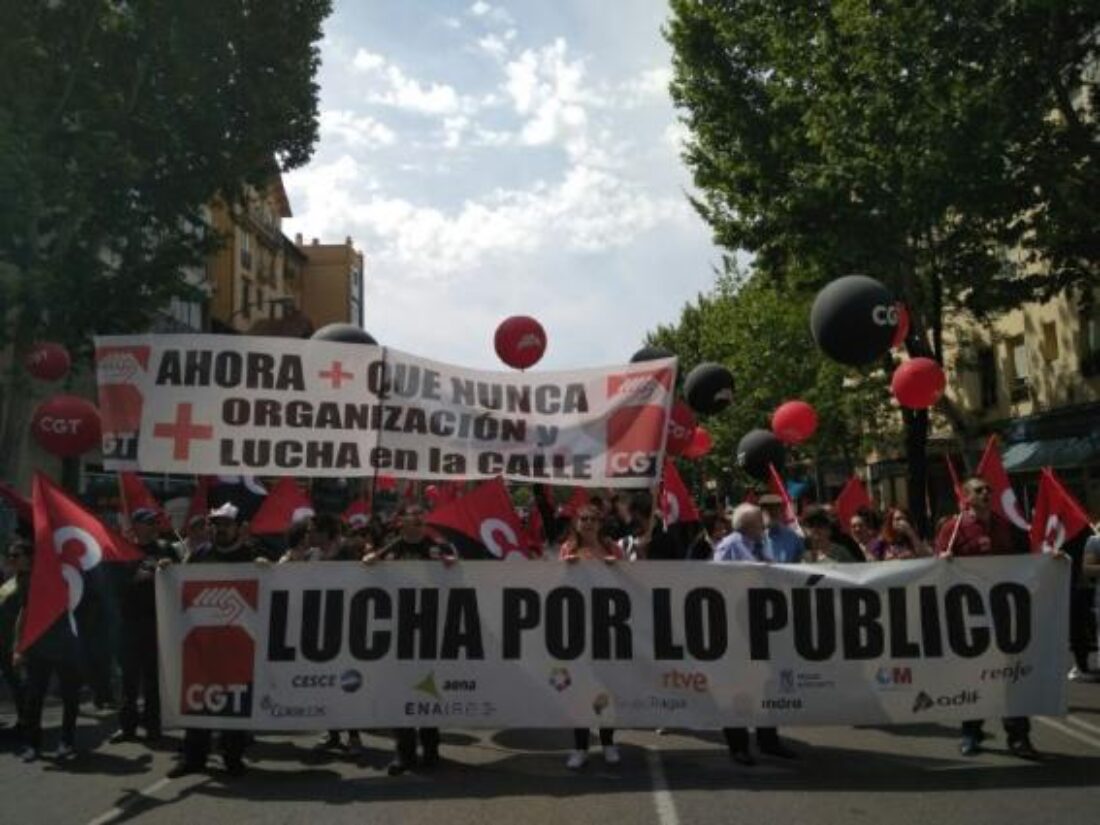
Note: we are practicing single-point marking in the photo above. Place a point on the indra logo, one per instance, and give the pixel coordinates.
(560, 679)
(219, 647)
(963, 698)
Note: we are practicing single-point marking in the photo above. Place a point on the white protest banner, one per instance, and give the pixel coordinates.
(242, 405)
(544, 644)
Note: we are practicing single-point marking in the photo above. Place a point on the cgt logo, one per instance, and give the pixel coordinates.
(925, 702)
(643, 387)
(885, 316)
(219, 648)
(633, 441)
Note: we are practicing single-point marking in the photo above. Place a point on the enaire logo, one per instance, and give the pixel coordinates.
(646, 387)
(219, 648)
(634, 440)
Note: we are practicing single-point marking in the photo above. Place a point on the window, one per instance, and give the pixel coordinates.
(987, 376)
(1050, 341)
(246, 298)
(1017, 353)
(246, 250)
(1090, 342)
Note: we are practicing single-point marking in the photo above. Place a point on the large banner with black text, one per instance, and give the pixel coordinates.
(241, 405)
(646, 644)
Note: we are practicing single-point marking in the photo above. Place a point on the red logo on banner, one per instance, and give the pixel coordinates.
(646, 387)
(218, 651)
(117, 369)
(634, 441)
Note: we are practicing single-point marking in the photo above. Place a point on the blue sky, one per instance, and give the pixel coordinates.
(493, 159)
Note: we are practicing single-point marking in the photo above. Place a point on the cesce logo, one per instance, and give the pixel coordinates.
(218, 647)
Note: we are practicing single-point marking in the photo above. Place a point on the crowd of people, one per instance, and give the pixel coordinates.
(613, 529)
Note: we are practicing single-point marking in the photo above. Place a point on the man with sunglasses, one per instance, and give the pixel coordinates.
(979, 531)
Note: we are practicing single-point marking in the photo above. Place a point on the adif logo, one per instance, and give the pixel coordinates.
(925, 702)
(219, 647)
(528, 341)
(885, 316)
(648, 387)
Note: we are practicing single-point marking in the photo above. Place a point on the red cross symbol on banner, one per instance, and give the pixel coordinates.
(183, 432)
(336, 374)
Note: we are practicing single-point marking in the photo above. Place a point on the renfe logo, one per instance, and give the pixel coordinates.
(218, 649)
(633, 441)
(645, 387)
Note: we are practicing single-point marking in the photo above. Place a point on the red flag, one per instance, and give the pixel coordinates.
(68, 540)
(780, 489)
(960, 496)
(750, 497)
(357, 513)
(677, 505)
(136, 496)
(1004, 501)
(21, 506)
(383, 483)
(199, 504)
(1058, 517)
(284, 505)
(536, 532)
(448, 492)
(576, 501)
(851, 498)
(411, 492)
(483, 523)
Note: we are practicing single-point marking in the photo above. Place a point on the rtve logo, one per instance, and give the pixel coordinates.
(219, 647)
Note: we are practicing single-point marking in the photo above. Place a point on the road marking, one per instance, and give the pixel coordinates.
(662, 796)
(1070, 732)
(117, 811)
(1081, 723)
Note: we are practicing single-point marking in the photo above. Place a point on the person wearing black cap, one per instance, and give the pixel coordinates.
(230, 545)
(138, 608)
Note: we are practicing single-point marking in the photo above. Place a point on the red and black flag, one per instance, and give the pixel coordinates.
(483, 524)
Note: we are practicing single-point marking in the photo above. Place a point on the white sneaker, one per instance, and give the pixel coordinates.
(1077, 675)
(65, 751)
(28, 754)
(576, 760)
(611, 755)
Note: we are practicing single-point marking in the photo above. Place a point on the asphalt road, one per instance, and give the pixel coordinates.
(876, 775)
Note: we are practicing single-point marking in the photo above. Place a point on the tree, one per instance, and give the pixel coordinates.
(119, 122)
(761, 335)
(915, 142)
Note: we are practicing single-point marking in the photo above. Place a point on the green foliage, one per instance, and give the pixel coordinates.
(914, 142)
(118, 123)
(762, 335)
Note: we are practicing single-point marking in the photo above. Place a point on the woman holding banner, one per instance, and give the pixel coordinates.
(586, 540)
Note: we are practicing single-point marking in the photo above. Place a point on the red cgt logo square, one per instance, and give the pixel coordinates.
(634, 441)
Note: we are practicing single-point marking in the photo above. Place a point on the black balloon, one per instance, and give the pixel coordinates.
(757, 449)
(854, 319)
(709, 389)
(343, 334)
(651, 354)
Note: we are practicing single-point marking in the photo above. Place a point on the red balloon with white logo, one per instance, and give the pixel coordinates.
(520, 341)
(701, 443)
(66, 425)
(918, 383)
(794, 422)
(47, 361)
(681, 428)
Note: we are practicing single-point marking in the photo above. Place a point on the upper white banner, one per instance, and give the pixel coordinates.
(241, 405)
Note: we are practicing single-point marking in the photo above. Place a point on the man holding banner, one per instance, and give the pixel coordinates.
(978, 531)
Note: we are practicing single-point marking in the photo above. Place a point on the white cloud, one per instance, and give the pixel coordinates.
(487, 12)
(390, 86)
(651, 86)
(493, 46)
(480, 8)
(453, 129)
(675, 134)
(355, 130)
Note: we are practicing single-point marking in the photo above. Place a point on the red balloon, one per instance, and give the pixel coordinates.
(48, 361)
(903, 327)
(794, 422)
(520, 341)
(918, 383)
(701, 444)
(681, 427)
(66, 425)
